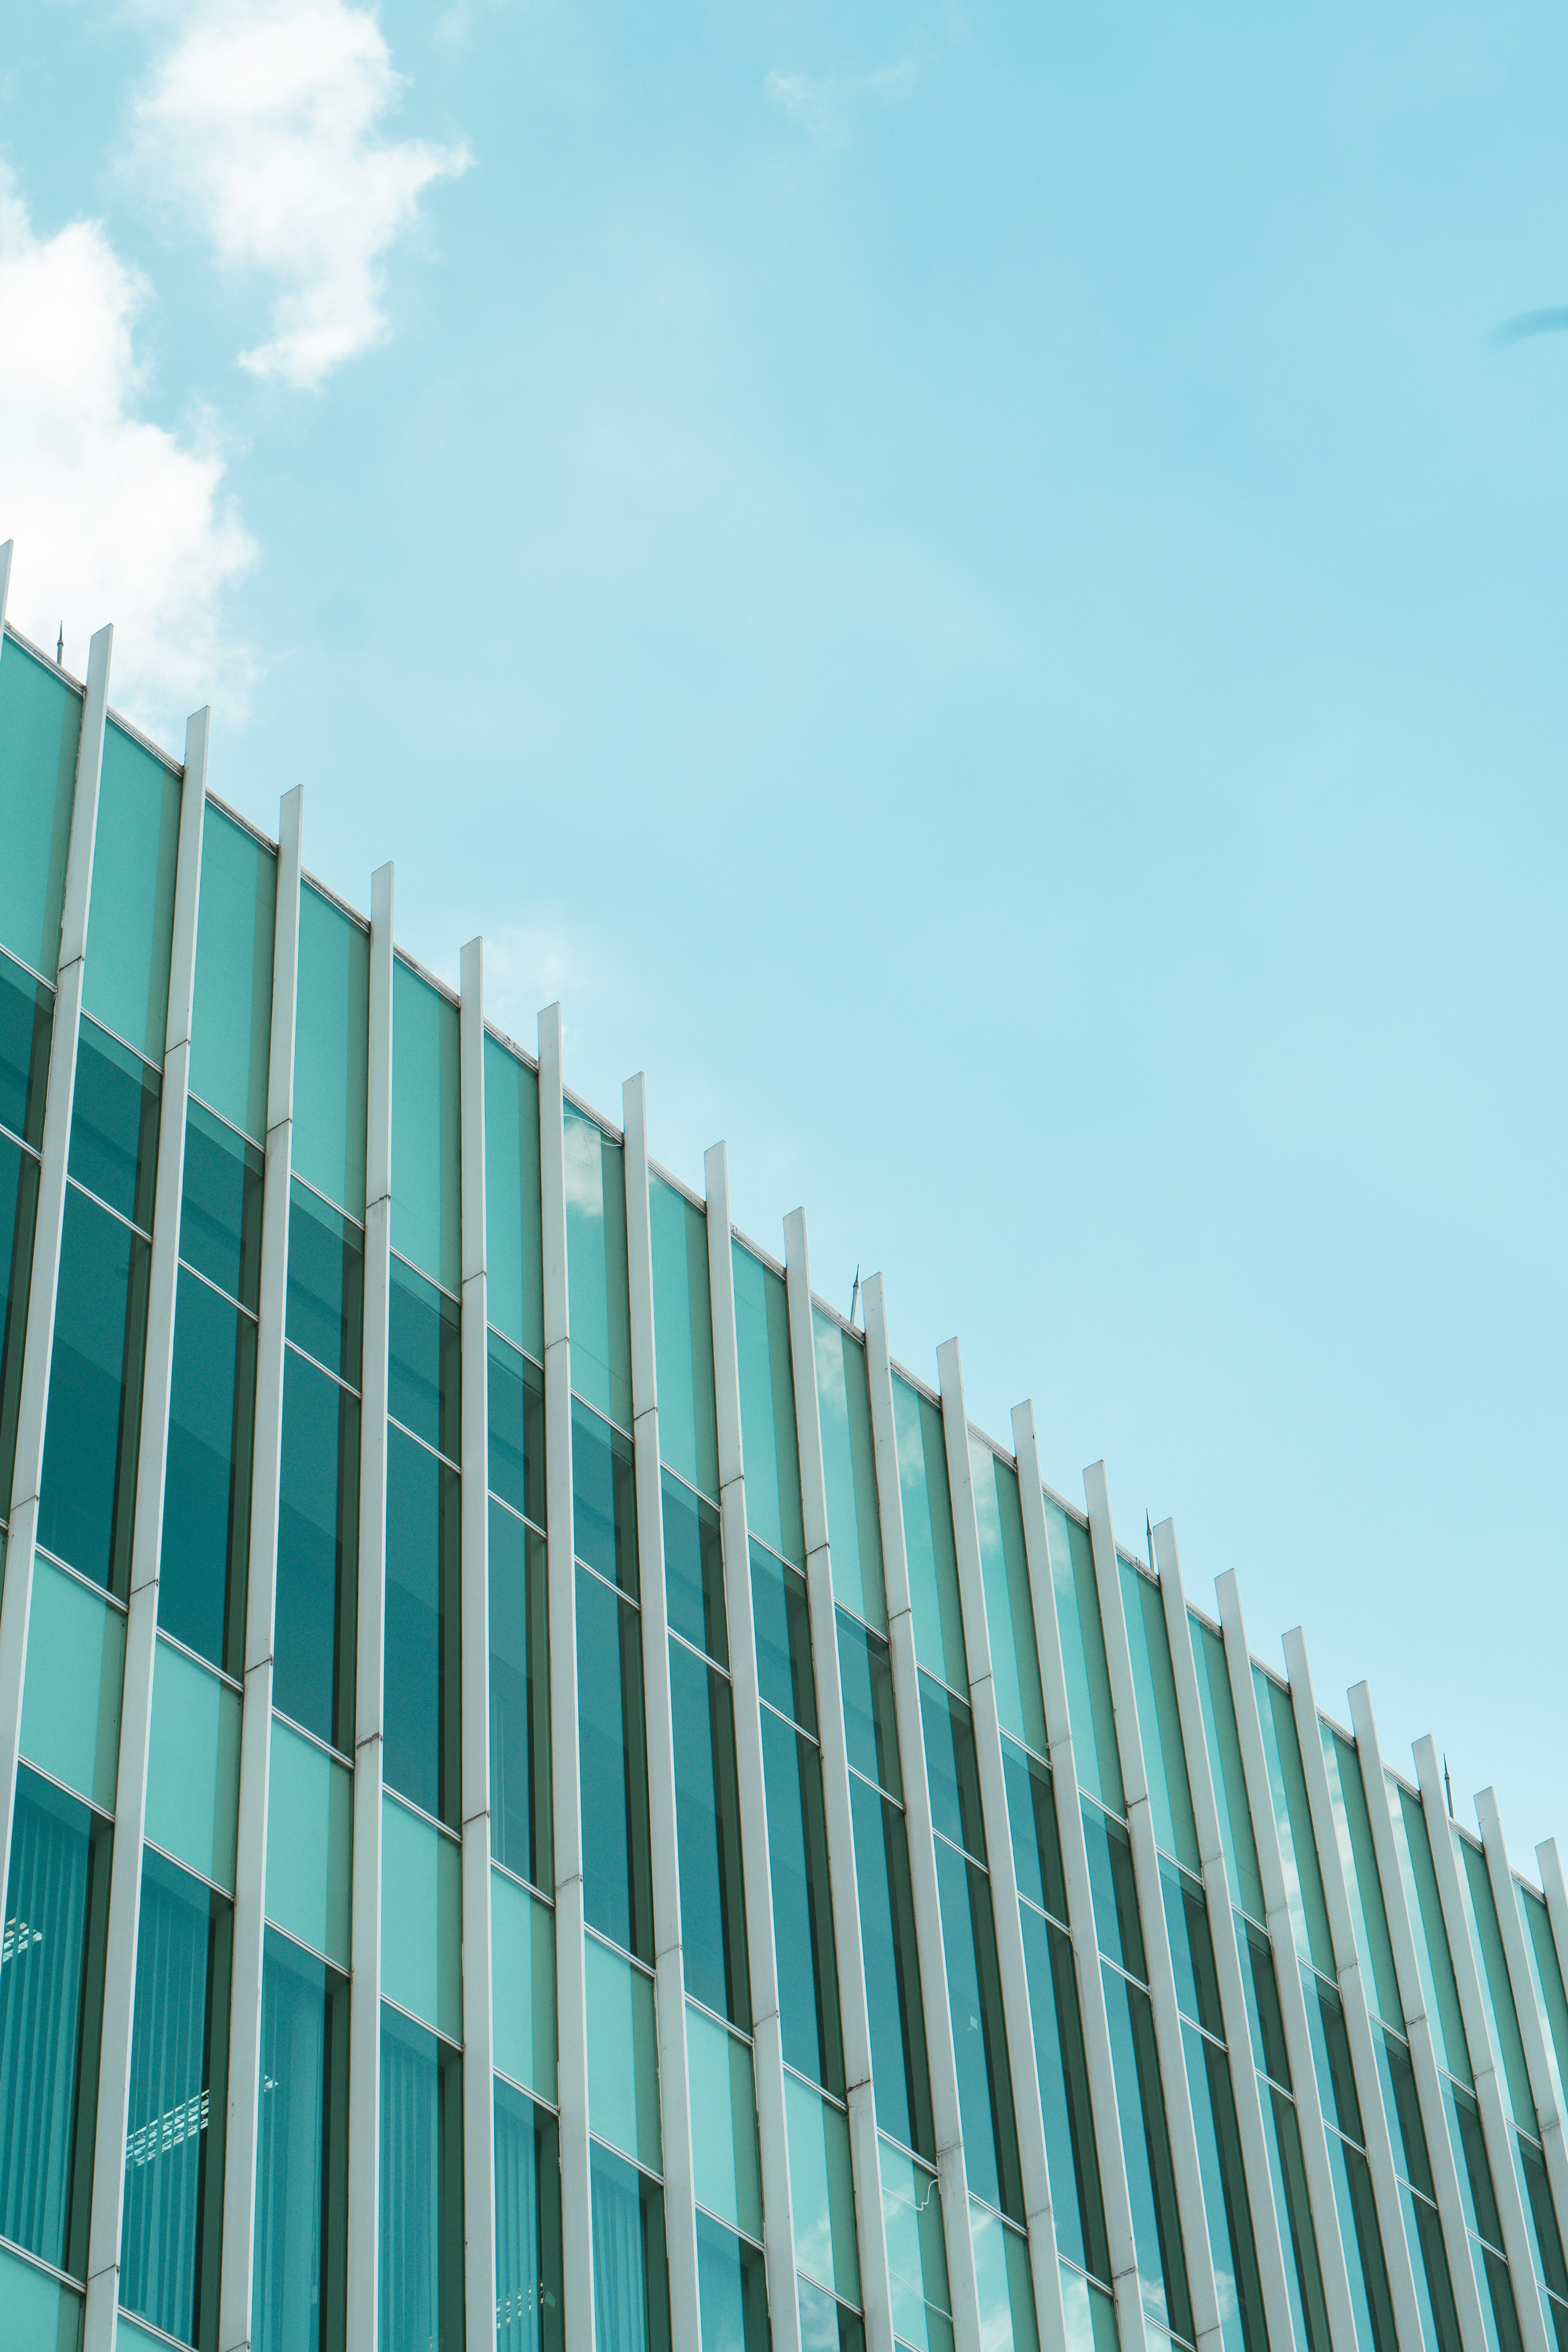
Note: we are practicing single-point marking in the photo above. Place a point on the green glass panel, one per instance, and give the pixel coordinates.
(421, 1918)
(1225, 2195)
(1402, 2108)
(1263, 2012)
(596, 1267)
(707, 1829)
(420, 2285)
(422, 1711)
(1145, 2143)
(516, 1393)
(1353, 1826)
(1224, 1746)
(1090, 1712)
(130, 919)
(1089, 2314)
(1475, 1887)
(42, 2314)
(822, 2190)
(205, 1545)
(18, 1218)
(1154, 1684)
(220, 1206)
(1063, 2071)
(726, 2171)
(1550, 2266)
(193, 1766)
(870, 1726)
(1003, 2283)
(318, 1554)
(603, 1498)
(522, 1957)
(425, 1360)
(70, 1699)
(683, 1337)
(979, 2033)
(1332, 2057)
(617, 1885)
(520, 1827)
(1365, 2265)
(427, 1115)
(1032, 1821)
(1429, 2262)
(1303, 2276)
(1425, 1906)
(1118, 1928)
(325, 1315)
(128, 2337)
(623, 2055)
(803, 1907)
(849, 1469)
(301, 2278)
(332, 1048)
(1293, 1820)
(782, 1619)
(1192, 1949)
(27, 1019)
(693, 1568)
(513, 1245)
(890, 1964)
(631, 2277)
(767, 1406)
(310, 1843)
(530, 2290)
(953, 1768)
(115, 1113)
(87, 1507)
(927, 1536)
(1009, 1613)
(732, 2289)
(917, 2254)
(40, 725)
(1548, 1974)
(231, 1016)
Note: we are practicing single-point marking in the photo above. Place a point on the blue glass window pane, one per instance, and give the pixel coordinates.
(114, 1125)
(603, 1498)
(952, 1768)
(421, 2282)
(1268, 2025)
(827, 2325)
(1032, 1821)
(1146, 2147)
(802, 1909)
(596, 1266)
(1303, 2275)
(781, 1617)
(220, 1210)
(694, 1568)
(40, 727)
(318, 1554)
(207, 1492)
(426, 1121)
(529, 2314)
(331, 1051)
(512, 1198)
(1332, 2057)
(631, 2291)
(1192, 1949)
(617, 1897)
(516, 1392)
(707, 1827)
(1116, 1922)
(131, 913)
(423, 1719)
(51, 2005)
(870, 1726)
(424, 1360)
(299, 2296)
(172, 2228)
(325, 1313)
(88, 1499)
(231, 1018)
(937, 1617)
(888, 1954)
(979, 2034)
(18, 1217)
(732, 2290)
(1225, 2195)
(520, 1700)
(683, 1336)
(26, 1014)
(1063, 2071)
(767, 1406)
(849, 1466)
(1402, 2108)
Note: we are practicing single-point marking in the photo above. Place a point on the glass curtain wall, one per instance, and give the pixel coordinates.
(26, 1013)
(318, 1509)
(298, 2297)
(422, 1653)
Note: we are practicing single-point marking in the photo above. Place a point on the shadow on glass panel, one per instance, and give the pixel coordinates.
(603, 1498)
(421, 2186)
(979, 2034)
(520, 1700)
(870, 1729)
(318, 1546)
(1116, 1923)
(783, 1621)
(220, 1212)
(891, 1968)
(732, 2288)
(299, 2299)
(694, 1570)
(952, 1768)
(529, 2315)
(618, 1887)
(114, 1124)
(802, 1905)
(87, 1503)
(707, 1829)
(516, 1396)
(631, 2290)
(206, 1493)
(26, 1014)
(326, 1284)
(19, 1216)
(1032, 1821)
(422, 1653)
(424, 1360)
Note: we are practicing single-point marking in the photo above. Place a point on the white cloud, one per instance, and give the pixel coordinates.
(822, 108)
(265, 120)
(115, 519)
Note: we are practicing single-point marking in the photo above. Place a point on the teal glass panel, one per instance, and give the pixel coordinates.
(1431, 1938)
(768, 1438)
(427, 1128)
(1303, 2277)
(827, 2325)
(1367, 2271)
(803, 1909)
(231, 1016)
(530, 2294)
(516, 1398)
(1083, 1658)
(1009, 1613)
(421, 2266)
(890, 1959)
(18, 1217)
(822, 2190)
(849, 1469)
(617, 1890)
(1353, 1826)
(1546, 1973)
(299, 2296)
(1154, 1684)
(683, 1337)
(781, 1617)
(522, 1953)
(726, 2168)
(131, 916)
(596, 1267)
(1224, 1744)
(693, 1569)
(1293, 1820)
(1429, 2262)
(114, 1124)
(1402, 2109)
(708, 1828)
(220, 1206)
(979, 2034)
(1089, 2314)
(310, 1843)
(870, 1724)
(172, 2220)
(631, 2281)
(927, 1536)
(205, 1550)
(1263, 2012)
(70, 1698)
(193, 1766)
(40, 727)
(916, 2253)
(1231, 2245)
(623, 2055)
(318, 1548)
(423, 1708)
(1550, 2266)
(1464, 2117)
(1145, 2144)
(952, 1770)
(1499, 2310)
(1332, 2057)
(26, 1018)
(325, 1314)
(520, 1827)
(45, 2316)
(515, 1286)
(732, 2289)
(1475, 1890)
(1117, 1926)
(603, 1498)
(421, 1918)
(1003, 2283)
(424, 1360)
(1060, 2063)
(52, 2009)
(332, 1046)
(1192, 1949)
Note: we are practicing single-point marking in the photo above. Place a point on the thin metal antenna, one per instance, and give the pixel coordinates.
(60, 649)
(1449, 1788)
(1149, 1539)
(854, 1296)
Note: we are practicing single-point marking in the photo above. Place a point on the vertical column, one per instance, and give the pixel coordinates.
(1025, 2075)
(1151, 1907)
(1473, 2327)
(767, 2035)
(146, 1538)
(854, 2019)
(479, 2050)
(669, 1979)
(1353, 1995)
(364, 1992)
(1081, 1899)
(256, 1724)
(1272, 2276)
(571, 1993)
(1484, 2059)
(26, 1477)
(946, 2117)
(1556, 1892)
(1544, 2086)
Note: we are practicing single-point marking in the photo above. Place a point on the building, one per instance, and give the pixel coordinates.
(548, 1786)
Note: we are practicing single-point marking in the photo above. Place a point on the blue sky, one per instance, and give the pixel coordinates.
(977, 593)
